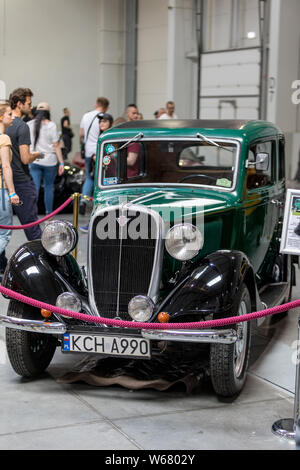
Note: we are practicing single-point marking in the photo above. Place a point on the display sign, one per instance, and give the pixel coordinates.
(290, 239)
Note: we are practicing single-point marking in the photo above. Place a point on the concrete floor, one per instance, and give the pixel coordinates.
(45, 414)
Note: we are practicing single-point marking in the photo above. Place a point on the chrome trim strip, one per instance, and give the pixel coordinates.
(119, 270)
(35, 326)
(192, 336)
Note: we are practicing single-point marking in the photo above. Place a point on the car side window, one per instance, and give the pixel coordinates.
(257, 177)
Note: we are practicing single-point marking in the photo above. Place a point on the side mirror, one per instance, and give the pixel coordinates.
(262, 161)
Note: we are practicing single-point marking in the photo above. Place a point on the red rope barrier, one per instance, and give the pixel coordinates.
(39, 221)
(130, 324)
(152, 326)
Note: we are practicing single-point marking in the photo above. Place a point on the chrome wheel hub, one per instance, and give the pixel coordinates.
(241, 342)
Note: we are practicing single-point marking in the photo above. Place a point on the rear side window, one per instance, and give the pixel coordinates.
(256, 177)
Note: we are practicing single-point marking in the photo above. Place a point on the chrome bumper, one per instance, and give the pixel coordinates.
(35, 326)
(193, 336)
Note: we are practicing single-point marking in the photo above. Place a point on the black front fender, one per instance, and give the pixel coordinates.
(31, 271)
(210, 288)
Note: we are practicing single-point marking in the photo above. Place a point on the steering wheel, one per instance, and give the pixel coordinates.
(196, 175)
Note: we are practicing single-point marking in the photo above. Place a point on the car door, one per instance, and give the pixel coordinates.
(261, 209)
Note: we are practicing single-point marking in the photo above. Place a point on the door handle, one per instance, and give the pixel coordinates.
(277, 203)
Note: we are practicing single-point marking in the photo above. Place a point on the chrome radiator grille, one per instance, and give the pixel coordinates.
(121, 265)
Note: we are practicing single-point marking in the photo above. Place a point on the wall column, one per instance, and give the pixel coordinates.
(111, 53)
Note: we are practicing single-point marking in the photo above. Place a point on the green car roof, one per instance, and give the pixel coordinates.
(227, 128)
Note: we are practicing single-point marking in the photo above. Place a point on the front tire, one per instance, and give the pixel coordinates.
(29, 353)
(229, 362)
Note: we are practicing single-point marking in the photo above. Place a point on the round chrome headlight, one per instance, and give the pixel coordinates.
(184, 241)
(69, 301)
(140, 308)
(59, 237)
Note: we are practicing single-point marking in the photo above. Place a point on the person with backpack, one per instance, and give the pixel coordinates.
(106, 122)
(89, 133)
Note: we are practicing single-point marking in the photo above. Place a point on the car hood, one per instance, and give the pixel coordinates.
(186, 201)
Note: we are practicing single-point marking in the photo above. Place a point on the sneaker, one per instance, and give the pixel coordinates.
(84, 229)
(82, 208)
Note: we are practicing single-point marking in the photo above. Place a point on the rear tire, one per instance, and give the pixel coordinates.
(29, 353)
(229, 362)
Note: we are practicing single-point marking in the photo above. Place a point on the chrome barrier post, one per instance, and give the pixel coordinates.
(289, 427)
(76, 199)
(298, 434)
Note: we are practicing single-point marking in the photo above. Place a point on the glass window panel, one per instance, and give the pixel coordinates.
(151, 162)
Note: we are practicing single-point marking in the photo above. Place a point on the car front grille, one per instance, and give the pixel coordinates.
(121, 265)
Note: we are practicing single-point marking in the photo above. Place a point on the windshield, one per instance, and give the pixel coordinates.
(169, 161)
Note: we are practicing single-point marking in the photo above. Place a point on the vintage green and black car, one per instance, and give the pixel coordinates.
(186, 225)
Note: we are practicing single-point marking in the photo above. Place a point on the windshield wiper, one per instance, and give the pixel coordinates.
(137, 137)
(212, 142)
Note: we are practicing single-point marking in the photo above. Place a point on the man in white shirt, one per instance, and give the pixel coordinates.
(169, 114)
(89, 133)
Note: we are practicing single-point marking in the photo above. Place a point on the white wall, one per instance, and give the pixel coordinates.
(284, 70)
(68, 52)
(229, 74)
(152, 56)
(111, 53)
(166, 32)
(50, 47)
(181, 76)
(284, 61)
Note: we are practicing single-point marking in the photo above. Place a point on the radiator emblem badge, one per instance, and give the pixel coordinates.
(122, 220)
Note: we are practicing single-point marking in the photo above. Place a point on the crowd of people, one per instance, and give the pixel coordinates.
(91, 128)
(32, 151)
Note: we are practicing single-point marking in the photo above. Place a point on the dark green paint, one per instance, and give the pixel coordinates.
(240, 219)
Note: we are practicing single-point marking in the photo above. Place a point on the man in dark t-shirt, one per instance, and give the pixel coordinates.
(133, 160)
(20, 102)
(20, 135)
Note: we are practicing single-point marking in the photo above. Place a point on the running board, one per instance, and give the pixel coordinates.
(272, 295)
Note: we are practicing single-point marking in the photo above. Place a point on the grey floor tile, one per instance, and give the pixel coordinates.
(88, 436)
(276, 361)
(118, 403)
(238, 427)
(29, 405)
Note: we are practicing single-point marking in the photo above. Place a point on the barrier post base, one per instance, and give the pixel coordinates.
(284, 428)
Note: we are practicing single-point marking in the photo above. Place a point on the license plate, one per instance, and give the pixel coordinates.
(109, 345)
